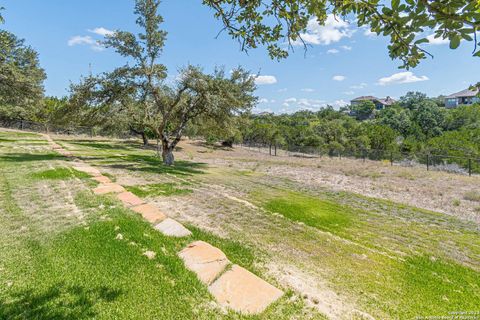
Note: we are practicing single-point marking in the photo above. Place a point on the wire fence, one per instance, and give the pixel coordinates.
(56, 129)
(467, 164)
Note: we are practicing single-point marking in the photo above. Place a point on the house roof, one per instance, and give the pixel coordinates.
(385, 101)
(464, 93)
(365, 98)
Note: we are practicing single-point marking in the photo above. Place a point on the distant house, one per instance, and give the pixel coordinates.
(466, 96)
(378, 102)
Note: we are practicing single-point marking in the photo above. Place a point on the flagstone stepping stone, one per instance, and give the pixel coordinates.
(88, 169)
(205, 260)
(172, 228)
(129, 199)
(244, 292)
(150, 213)
(102, 179)
(108, 188)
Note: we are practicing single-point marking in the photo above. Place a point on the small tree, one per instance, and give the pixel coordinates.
(140, 91)
(363, 110)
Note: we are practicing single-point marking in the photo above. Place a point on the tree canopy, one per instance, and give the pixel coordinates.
(21, 77)
(140, 92)
(407, 23)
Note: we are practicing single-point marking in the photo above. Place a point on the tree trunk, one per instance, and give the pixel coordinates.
(145, 139)
(167, 156)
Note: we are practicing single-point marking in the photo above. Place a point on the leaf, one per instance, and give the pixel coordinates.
(395, 4)
(454, 42)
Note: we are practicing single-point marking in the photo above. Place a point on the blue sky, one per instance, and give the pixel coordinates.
(343, 62)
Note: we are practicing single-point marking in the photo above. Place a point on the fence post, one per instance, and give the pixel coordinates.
(428, 162)
(469, 167)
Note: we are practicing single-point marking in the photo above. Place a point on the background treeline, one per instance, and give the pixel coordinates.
(416, 124)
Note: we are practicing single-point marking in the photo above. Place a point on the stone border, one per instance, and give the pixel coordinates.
(231, 285)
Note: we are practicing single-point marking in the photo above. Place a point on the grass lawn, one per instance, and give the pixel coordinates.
(68, 254)
(418, 262)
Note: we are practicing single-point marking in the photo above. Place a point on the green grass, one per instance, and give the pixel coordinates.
(431, 286)
(83, 271)
(158, 189)
(89, 273)
(59, 174)
(314, 212)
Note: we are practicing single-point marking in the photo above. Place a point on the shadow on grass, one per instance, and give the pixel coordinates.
(56, 302)
(210, 146)
(26, 157)
(101, 145)
(155, 165)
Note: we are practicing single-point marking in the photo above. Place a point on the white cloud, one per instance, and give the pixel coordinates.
(102, 31)
(436, 41)
(308, 90)
(332, 51)
(282, 90)
(295, 104)
(338, 103)
(262, 100)
(258, 110)
(85, 40)
(334, 30)
(339, 78)
(359, 86)
(80, 40)
(349, 93)
(369, 33)
(261, 80)
(401, 77)
(346, 48)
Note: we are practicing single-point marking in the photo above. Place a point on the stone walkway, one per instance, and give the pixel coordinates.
(232, 286)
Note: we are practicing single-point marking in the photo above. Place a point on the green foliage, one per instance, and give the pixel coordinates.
(461, 143)
(363, 110)
(21, 87)
(430, 118)
(272, 23)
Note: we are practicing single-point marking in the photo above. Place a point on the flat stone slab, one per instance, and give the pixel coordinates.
(108, 188)
(205, 260)
(65, 153)
(88, 169)
(244, 292)
(102, 179)
(129, 199)
(150, 213)
(172, 228)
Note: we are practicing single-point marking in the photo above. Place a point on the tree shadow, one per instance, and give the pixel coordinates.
(26, 157)
(101, 145)
(215, 146)
(56, 302)
(155, 165)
